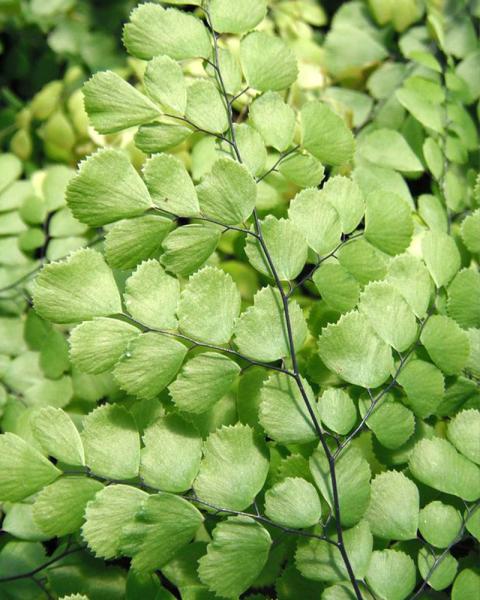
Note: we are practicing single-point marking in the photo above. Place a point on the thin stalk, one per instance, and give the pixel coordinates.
(262, 519)
(293, 356)
(46, 564)
(196, 343)
(403, 361)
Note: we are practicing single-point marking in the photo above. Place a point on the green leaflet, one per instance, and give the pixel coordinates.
(222, 413)
(161, 136)
(339, 350)
(267, 62)
(336, 286)
(24, 471)
(18, 522)
(391, 422)
(444, 573)
(391, 574)
(325, 134)
(463, 432)
(320, 561)
(471, 231)
(229, 66)
(163, 524)
(388, 148)
(388, 314)
(388, 222)
(107, 188)
(205, 107)
(474, 357)
(97, 345)
(153, 30)
(286, 246)
(294, 465)
(80, 288)
(343, 591)
(233, 469)
(347, 198)
(466, 584)
(394, 507)
(248, 394)
(337, 410)
(447, 344)
(107, 515)
(170, 185)
(353, 481)
(151, 296)
(229, 17)
(182, 569)
(113, 104)
(203, 381)
(274, 119)
(165, 84)
(149, 364)
(11, 168)
(282, 411)
(187, 248)
(464, 298)
(293, 502)
(316, 219)
(58, 509)
(171, 455)
(428, 113)
(433, 157)
(372, 177)
(349, 47)
(441, 256)
(235, 556)
(227, 193)
(58, 436)
(437, 464)
(424, 385)
(261, 332)
(111, 441)
(251, 148)
(209, 305)
(439, 523)
(302, 169)
(362, 260)
(404, 269)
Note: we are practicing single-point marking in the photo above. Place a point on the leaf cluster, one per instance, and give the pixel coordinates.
(263, 378)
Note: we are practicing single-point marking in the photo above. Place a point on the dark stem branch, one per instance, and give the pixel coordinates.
(321, 260)
(196, 343)
(46, 564)
(262, 519)
(293, 356)
(282, 157)
(439, 559)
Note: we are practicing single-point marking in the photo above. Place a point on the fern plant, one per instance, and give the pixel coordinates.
(302, 417)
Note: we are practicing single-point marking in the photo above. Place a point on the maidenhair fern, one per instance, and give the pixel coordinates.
(283, 334)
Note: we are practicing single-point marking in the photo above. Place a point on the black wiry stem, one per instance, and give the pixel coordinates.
(197, 343)
(261, 519)
(46, 564)
(376, 399)
(291, 344)
(273, 168)
(439, 559)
